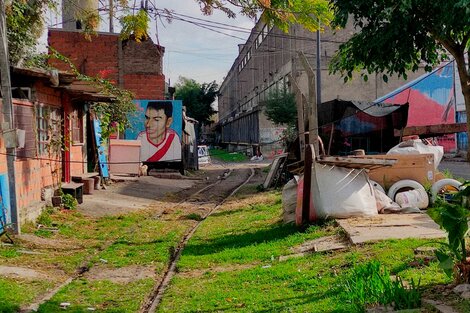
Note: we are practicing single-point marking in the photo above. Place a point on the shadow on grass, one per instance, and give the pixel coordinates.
(287, 304)
(6, 307)
(276, 232)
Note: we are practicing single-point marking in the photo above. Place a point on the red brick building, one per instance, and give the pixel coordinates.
(135, 66)
(45, 104)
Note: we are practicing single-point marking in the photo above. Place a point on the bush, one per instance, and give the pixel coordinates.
(69, 202)
(371, 284)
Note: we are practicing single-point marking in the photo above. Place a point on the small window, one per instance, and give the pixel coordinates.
(77, 125)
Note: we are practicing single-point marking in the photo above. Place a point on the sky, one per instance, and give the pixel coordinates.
(192, 51)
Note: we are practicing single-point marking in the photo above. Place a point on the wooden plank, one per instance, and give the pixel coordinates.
(273, 170)
(432, 130)
(356, 162)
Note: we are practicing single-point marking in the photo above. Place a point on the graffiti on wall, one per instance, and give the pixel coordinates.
(158, 125)
(431, 99)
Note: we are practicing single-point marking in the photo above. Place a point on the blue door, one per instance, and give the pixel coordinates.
(4, 201)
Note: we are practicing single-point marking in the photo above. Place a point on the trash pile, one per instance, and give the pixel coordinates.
(405, 180)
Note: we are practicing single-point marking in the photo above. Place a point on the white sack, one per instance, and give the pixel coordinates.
(342, 193)
(416, 146)
(289, 201)
(384, 203)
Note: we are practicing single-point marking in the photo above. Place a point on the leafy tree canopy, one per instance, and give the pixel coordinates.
(397, 36)
(280, 12)
(24, 26)
(197, 98)
(281, 107)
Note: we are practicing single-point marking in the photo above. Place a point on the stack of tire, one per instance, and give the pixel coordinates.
(419, 197)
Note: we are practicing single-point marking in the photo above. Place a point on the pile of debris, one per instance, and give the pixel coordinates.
(405, 180)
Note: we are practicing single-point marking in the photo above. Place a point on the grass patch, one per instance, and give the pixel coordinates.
(231, 263)
(14, 293)
(100, 295)
(227, 156)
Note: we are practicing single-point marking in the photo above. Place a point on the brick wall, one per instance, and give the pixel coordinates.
(141, 63)
(149, 87)
(90, 57)
(34, 172)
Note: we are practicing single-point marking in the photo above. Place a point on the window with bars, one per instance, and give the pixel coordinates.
(49, 129)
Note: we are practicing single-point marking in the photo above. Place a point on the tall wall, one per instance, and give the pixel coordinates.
(134, 66)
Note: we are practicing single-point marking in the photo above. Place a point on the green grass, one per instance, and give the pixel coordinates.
(100, 295)
(231, 264)
(14, 293)
(227, 156)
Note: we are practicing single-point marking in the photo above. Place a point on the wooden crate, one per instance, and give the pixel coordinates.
(418, 167)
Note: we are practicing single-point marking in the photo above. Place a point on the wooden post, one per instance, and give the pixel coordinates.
(312, 104)
(308, 161)
(300, 115)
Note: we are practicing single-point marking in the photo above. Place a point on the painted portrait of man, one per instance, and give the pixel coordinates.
(159, 141)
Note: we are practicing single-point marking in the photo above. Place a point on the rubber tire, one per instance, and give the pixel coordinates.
(376, 185)
(437, 186)
(405, 183)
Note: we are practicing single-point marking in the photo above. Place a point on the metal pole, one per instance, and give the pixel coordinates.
(318, 66)
(111, 16)
(8, 116)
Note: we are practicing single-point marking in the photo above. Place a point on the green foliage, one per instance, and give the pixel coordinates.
(45, 217)
(135, 26)
(281, 13)
(24, 27)
(227, 156)
(281, 107)
(453, 217)
(397, 36)
(194, 216)
(197, 98)
(371, 284)
(69, 202)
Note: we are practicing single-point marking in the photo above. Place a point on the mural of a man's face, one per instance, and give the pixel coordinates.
(156, 123)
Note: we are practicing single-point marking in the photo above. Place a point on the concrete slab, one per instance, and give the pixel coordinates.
(390, 226)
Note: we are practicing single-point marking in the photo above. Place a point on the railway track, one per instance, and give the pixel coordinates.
(211, 198)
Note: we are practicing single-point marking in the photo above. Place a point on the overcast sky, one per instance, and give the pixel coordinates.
(190, 50)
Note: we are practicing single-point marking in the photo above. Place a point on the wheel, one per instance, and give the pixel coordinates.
(444, 186)
(417, 197)
(402, 184)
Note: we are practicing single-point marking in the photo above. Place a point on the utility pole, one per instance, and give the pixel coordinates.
(111, 16)
(8, 124)
(318, 66)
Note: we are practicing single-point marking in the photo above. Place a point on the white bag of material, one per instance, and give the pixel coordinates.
(416, 146)
(384, 203)
(416, 198)
(289, 201)
(342, 193)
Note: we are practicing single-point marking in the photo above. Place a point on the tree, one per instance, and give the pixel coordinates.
(309, 13)
(397, 36)
(24, 27)
(197, 98)
(281, 107)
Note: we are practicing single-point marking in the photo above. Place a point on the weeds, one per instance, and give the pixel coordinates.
(371, 284)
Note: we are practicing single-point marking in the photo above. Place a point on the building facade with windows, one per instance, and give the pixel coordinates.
(271, 59)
